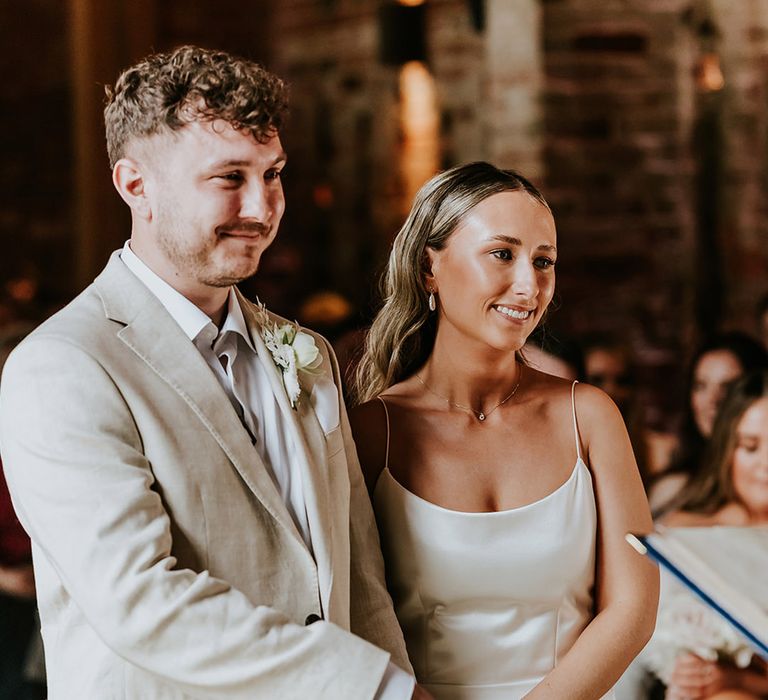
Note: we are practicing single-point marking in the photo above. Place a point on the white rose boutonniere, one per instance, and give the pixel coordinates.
(292, 350)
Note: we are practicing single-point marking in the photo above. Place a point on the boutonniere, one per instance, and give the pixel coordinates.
(292, 350)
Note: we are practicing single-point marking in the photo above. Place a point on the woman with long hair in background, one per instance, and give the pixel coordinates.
(730, 489)
(716, 364)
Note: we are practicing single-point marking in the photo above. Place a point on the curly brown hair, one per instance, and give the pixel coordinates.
(170, 90)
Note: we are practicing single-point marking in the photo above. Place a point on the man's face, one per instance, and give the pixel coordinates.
(216, 201)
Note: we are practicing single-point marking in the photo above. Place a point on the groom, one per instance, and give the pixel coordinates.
(180, 457)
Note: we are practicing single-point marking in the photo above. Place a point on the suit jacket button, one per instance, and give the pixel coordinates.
(312, 618)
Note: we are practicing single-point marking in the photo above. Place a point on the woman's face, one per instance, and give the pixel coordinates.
(712, 375)
(750, 459)
(607, 368)
(496, 276)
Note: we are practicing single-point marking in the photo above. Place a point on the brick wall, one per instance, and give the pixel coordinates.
(346, 139)
(658, 187)
(743, 226)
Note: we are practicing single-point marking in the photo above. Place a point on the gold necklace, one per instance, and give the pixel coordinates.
(481, 416)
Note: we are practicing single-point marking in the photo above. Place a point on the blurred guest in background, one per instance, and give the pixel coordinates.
(554, 354)
(717, 362)
(731, 486)
(18, 622)
(729, 489)
(19, 627)
(609, 364)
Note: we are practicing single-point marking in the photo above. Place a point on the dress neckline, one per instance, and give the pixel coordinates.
(472, 513)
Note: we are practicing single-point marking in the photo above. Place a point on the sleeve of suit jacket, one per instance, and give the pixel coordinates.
(372, 615)
(83, 490)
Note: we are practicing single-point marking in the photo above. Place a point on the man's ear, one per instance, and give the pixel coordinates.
(130, 183)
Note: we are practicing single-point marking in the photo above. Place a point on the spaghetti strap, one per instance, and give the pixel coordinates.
(575, 424)
(386, 414)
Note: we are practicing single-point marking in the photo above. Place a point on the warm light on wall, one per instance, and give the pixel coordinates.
(709, 74)
(410, 3)
(419, 123)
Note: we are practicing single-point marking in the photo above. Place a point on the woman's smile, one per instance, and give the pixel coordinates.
(500, 259)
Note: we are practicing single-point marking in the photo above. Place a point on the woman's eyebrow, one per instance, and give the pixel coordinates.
(506, 239)
(516, 241)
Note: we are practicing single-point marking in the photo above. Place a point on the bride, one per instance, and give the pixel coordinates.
(502, 493)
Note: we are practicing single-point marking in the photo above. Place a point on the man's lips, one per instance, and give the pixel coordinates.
(251, 232)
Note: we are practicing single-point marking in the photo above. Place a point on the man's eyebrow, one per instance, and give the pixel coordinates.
(239, 163)
(516, 241)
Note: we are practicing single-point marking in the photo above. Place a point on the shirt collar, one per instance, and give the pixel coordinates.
(191, 318)
(235, 321)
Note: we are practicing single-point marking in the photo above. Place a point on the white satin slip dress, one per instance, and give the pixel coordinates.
(489, 602)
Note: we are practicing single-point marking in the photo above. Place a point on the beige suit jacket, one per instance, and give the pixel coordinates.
(167, 564)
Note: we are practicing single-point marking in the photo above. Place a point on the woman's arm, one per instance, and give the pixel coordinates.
(627, 584)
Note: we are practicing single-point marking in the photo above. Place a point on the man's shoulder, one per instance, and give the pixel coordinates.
(101, 309)
(64, 336)
(78, 318)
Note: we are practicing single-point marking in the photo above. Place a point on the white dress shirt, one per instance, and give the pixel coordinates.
(231, 356)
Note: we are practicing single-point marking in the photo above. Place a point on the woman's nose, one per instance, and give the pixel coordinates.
(524, 279)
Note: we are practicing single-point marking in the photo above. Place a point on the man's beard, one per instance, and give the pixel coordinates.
(199, 261)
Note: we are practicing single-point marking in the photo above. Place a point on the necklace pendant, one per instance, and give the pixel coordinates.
(481, 416)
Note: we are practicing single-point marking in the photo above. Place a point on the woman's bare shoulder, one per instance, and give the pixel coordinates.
(682, 518)
(730, 515)
(547, 388)
(592, 405)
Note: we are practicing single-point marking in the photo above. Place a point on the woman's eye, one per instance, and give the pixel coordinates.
(502, 254)
(748, 446)
(273, 175)
(544, 263)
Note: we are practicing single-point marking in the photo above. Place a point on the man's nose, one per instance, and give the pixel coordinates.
(255, 203)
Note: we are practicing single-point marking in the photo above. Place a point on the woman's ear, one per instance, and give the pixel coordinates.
(130, 183)
(429, 265)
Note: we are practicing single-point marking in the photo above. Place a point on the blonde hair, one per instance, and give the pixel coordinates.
(403, 333)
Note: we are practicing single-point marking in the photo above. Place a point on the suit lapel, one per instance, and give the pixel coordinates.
(309, 449)
(156, 338)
